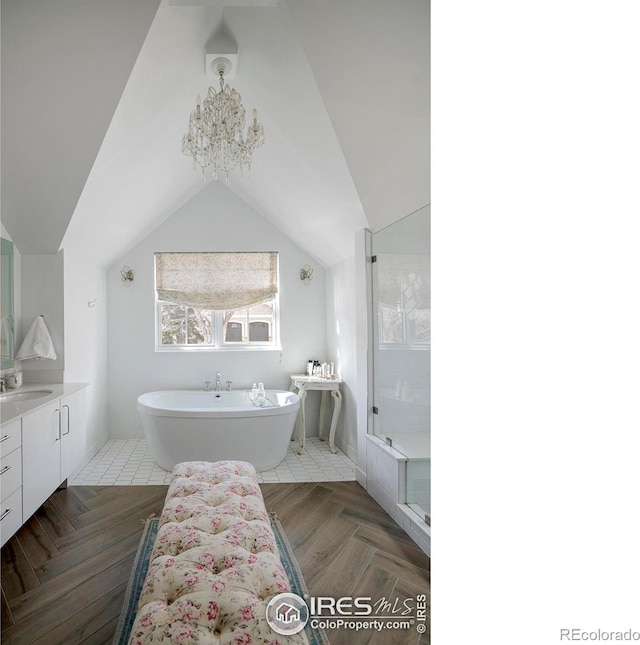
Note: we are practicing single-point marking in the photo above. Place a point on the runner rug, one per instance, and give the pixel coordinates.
(141, 564)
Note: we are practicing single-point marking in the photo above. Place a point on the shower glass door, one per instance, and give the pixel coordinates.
(402, 347)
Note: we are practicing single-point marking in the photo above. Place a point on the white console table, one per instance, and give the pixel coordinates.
(301, 384)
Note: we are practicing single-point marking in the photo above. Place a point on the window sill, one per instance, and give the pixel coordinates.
(245, 348)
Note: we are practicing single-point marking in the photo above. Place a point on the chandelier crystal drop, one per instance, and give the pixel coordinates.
(215, 134)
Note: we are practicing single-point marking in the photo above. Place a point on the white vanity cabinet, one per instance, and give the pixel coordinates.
(10, 479)
(73, 433)
(53, 444)
(40, 456)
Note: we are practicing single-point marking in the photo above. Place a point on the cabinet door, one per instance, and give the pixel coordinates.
(40, 456)
(73, 433)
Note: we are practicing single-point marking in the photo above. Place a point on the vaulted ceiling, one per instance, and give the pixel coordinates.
(96, 96)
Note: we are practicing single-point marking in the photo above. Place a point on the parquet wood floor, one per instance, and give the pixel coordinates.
(65, 572)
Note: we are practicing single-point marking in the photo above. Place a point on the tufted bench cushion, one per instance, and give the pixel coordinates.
(215, 564)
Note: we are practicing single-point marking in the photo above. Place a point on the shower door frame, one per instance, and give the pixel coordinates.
(405, 344)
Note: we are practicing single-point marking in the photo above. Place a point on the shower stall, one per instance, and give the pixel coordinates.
(401, 290)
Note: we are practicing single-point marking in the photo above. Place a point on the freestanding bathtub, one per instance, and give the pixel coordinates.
(193, 425)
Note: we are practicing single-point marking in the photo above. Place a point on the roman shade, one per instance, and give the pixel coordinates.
(221, 281)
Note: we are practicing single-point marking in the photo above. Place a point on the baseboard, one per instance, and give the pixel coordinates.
(352, 453)
(348, 450)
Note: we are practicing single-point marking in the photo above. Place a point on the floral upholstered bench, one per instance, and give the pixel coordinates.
(215, 564)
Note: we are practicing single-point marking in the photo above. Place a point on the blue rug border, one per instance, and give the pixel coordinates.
(315, 636)
(139, 572)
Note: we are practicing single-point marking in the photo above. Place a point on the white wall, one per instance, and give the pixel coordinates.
(85, 334)
(348, 323)
(214, 220)
(42, 292)
(341, 345)
(60, 286)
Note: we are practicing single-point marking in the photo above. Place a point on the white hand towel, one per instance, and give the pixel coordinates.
(37, 343)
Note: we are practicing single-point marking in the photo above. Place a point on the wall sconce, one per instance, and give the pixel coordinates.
(306, 274)
(127, 275)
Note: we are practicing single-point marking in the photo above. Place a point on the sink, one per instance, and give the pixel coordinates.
(29, 395)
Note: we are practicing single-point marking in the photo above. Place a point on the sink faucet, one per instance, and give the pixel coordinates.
(218, 381)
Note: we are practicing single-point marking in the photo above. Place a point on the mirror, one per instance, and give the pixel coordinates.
(6, 305)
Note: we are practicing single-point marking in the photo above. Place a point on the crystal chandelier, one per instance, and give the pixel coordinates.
(215, 135)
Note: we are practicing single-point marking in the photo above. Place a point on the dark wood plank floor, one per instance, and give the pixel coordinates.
(346, 545)
(65, 572)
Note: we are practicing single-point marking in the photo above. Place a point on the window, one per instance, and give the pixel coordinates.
(404, 314)
(216, 300)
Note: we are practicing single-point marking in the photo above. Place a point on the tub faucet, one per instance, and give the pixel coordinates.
(218, 381)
